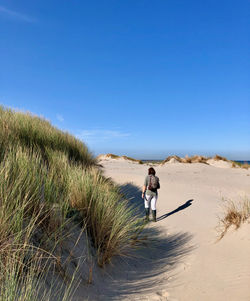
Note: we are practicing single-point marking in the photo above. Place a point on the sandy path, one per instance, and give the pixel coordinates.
(211, 271)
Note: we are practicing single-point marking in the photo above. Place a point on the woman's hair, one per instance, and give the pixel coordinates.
(151, 171)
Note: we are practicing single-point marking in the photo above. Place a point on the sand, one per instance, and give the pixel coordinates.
(189, 263)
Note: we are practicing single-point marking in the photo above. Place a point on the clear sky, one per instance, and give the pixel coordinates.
(145, 78)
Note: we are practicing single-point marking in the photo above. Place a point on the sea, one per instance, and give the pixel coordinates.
(242, 162)
(152, 161)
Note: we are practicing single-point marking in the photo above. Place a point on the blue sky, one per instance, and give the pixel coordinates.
(137, 77)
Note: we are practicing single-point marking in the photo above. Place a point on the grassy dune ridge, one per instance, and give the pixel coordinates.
(36, 134)
(205, 160)
(49, 179)
(175, 158)
(113, 156)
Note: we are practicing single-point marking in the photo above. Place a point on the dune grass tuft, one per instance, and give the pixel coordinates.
(219, 158)
(113, 156)
(110, 220)
(31, 229)
(234, 215)
(244, 165)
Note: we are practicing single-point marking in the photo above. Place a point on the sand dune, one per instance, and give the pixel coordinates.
(189, 263)
(216, 161)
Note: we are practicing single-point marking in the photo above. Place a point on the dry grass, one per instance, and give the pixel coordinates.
(202, 159)
(199, 159)
(112, 156)
(218, 158)
(187, 159)
(245, 165)
(234, 215)
(234, 164)
(241, 165)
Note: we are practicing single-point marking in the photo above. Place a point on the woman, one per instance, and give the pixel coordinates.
(151, 184)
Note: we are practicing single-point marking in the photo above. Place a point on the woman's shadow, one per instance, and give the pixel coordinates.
(182, 207)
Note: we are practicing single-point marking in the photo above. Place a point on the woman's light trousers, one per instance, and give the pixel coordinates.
(150, 199)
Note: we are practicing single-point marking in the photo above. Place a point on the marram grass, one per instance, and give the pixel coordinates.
(45, 175)
(38, 134)
(235, 214)
(111, 223)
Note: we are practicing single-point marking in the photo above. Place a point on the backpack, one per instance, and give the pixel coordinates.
(153, 184)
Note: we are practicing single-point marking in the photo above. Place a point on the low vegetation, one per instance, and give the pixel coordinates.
(49, 179)
(204, 160)
(244, 165)
(187, 159)
(39, 135)
(112, 156)
(234, 215)
(132, 159)
(220, 158)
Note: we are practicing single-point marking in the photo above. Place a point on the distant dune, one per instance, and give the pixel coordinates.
(116, 157)
(216, 161)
